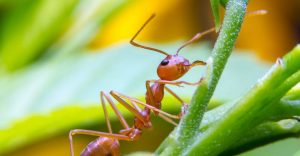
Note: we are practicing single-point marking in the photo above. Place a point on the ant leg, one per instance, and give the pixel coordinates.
(95, 133)
(128, 106)
(116, 110)
(184, 105)
(175, 95)
(99, 134)
(145, 47)
(71, 144)
(167, 119)
(105, 112)
(149, 90)
(176, 83)
(136, 106)
(164, 115)
(151, 97)
(146, 105)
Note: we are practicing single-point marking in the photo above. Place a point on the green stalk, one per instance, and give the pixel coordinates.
(263, 134)
(254, 108)
(216, 12)
(190, 123)
(288, 107)
(269, 131)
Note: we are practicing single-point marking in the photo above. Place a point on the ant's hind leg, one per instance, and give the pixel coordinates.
(71, 143)
(94, 133)
(116, 110)
(167, 119)
(136, 110)
(98, 134)
(146, 105)
(103, 96)
(105, 112)
(164, 115)
(128, 106)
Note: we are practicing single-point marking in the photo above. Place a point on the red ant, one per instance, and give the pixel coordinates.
(171, 68)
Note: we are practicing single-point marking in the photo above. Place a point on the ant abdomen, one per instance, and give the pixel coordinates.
(102, 146)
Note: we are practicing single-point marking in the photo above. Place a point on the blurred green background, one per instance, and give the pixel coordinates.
(55, 57)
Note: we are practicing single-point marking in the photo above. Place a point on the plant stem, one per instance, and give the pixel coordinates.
(188, 128)
(252, 109)
(288, 107)
(264, 134)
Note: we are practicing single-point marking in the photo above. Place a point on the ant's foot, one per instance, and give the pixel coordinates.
(183, 110)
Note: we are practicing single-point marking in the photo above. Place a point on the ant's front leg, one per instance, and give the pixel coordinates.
(176, 83)
(184, 106)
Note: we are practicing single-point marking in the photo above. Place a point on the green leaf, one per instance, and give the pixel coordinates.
(216, 12)
(34, 28)
(57, 95)
(8, 4)
(85, 23)
(29, 28)
(140, 153)
(266, 132)
(224, 2)
(286, 147)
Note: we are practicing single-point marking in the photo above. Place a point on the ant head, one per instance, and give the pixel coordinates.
(173, 67)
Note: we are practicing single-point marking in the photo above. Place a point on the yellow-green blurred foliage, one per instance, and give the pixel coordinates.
(269, 36)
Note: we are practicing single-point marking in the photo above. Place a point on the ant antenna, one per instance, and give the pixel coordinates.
(199, 35)
(257, 12)
(196, 37)
(145, 47)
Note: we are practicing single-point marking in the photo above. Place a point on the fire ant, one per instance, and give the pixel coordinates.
(171, 68)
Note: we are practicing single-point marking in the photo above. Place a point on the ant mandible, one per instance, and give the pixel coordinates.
(171, 68)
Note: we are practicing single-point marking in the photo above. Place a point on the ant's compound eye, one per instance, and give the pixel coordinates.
(164, 62)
